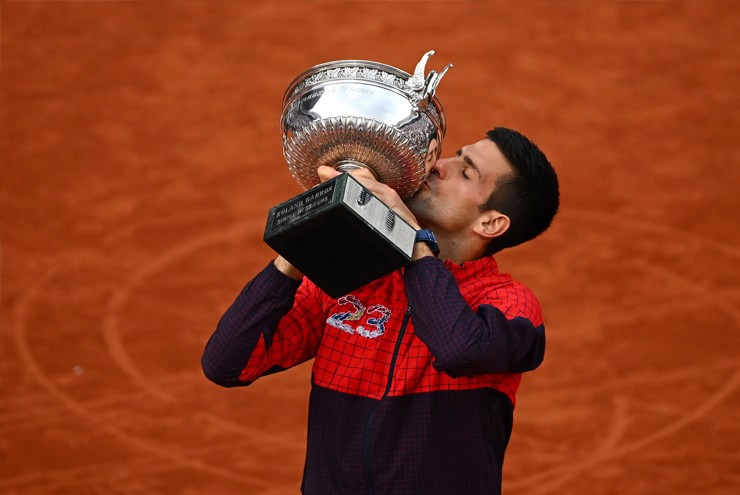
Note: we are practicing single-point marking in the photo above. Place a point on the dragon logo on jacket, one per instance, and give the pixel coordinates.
(343, 320)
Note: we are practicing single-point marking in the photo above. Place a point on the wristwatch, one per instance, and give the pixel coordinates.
(427, 237)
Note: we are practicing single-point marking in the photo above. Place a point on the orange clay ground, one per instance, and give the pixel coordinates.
(141, 151)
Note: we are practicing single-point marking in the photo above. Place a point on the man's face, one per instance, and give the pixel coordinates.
(449, 199)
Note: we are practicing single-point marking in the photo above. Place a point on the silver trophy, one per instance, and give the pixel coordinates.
(349, 114)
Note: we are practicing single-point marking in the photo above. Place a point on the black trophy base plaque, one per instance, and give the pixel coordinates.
(339, 235)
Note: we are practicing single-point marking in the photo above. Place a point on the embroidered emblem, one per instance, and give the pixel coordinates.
(377, 322)
(337, 320)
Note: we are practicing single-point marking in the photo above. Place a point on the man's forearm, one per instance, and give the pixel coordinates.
(256, 312)
(463, 341)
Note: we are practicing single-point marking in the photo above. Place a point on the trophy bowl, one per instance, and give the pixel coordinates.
(353, 113)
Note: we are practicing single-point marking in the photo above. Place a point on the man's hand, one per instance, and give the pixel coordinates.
(383, 192)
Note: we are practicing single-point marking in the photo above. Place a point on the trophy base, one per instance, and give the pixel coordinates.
(339, 235)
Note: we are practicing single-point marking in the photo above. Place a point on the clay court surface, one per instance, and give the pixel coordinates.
(141, 152)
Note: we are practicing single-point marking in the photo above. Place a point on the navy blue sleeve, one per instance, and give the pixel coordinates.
(466, 342)
(255, 313)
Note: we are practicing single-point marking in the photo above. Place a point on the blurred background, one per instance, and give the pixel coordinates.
(141, 150)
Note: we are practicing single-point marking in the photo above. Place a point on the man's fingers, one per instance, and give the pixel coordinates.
(325, 172)
(364, 172)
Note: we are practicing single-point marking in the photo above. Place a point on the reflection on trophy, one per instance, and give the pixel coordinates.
(350, 114)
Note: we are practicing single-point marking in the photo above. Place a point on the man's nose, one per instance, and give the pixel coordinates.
(443, 166)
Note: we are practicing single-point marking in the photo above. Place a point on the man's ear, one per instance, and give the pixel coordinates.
(491, 223)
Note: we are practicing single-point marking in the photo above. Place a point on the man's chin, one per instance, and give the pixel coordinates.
(422, 191)
(420, 205)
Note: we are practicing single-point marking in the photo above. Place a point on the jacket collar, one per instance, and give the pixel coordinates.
(482, 267)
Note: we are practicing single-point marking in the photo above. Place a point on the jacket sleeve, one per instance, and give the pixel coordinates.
(504, 334)
(273, 324)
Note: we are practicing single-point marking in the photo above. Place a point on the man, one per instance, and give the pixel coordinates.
(415, 374)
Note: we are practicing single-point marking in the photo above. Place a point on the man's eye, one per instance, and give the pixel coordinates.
(465, 173)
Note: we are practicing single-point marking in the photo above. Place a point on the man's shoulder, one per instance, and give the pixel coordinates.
(513, 298)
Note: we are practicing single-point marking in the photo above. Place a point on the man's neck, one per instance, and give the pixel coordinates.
(457, 250)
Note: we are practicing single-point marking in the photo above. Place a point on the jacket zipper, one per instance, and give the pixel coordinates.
(368, 424)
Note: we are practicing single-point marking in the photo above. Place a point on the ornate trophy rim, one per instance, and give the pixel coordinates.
(385, 76)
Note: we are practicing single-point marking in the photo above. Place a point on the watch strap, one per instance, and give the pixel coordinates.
(427, 237)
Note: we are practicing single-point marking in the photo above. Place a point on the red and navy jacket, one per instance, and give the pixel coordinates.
(414, 376)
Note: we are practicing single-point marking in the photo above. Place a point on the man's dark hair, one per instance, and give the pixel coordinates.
(529, 196)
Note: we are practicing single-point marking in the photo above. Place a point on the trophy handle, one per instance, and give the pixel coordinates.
(433, 81)
(425, 86)
(416, 82)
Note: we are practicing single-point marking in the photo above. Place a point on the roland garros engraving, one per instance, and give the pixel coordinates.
(302, 205)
